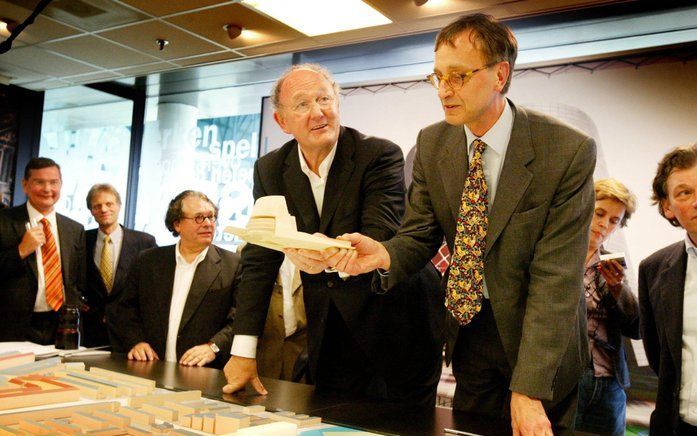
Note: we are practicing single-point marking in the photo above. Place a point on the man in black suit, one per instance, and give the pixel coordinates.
(178, 301)
(668, 297)
(111, 250)
(336, 180)
(41, 258)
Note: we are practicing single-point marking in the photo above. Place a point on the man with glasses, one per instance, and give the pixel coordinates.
(111, 251)
(177, 303)
(512, 192)
(336, 180)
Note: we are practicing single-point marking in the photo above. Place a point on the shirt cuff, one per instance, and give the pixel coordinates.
(244, 346)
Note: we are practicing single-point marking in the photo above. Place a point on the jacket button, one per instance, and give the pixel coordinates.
(330, 284)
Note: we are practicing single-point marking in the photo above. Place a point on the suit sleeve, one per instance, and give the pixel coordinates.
(11, 264)
(625, 311)
(259, 270)
(223, 338)
(649, 333)
(124, 320)
(420, 234)
(555, 290)
(80, 257)
(383, 194)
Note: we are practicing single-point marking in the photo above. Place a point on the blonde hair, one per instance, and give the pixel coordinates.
(613, 189)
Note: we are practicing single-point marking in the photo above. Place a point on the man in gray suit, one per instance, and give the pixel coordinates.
(41, 258)
(522, 351)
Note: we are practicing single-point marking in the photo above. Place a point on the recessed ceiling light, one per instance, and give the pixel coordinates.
(319, 17)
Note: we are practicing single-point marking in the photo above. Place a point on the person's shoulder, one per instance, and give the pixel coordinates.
(660, 256)
(227, 256)
(139, 235)
(12, 213)
(545, 124)
(69, 222)
(156, 253)
(278, 155)
(365, 143)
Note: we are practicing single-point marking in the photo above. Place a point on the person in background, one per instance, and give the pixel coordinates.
(111, 251)
(42, 255)
(178, 301)
(668, 298)
(612, 312)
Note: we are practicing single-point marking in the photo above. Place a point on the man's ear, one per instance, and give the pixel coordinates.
(280, 120)
(667, 212)
(503, 70)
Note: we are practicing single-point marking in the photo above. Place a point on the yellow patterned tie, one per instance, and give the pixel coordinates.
(106, 264)
(53, 276)
(464, 293)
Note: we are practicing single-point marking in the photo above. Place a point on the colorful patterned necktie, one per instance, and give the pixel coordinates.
(52, 268)
(106, 264)
(464, 293)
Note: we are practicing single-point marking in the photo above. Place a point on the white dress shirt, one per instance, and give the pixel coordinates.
(688, 381)
(246, 345)
(40, 304)
(116, 243)
(496, 140)
(183, 276)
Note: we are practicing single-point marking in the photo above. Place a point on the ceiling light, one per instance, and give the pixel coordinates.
(319, 17)
(420, 2)
(161, 43)
(233, 30)
(7, 25)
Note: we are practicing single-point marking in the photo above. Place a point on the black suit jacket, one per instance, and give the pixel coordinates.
(142, 311)
(19, 284)
(364, 193)
(96, 295)
(661, 292)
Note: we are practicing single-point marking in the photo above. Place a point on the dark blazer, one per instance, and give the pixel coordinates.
(141, 313)
(96, 296)
(622, 320)
(19, 284)
(535, 245)
(661, 291)
(364, 193)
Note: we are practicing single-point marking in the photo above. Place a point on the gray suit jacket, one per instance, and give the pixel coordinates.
(535, 245)
(18, 277)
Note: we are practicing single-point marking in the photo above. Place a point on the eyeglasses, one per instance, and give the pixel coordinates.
(455, 80)
(199, 219)
(304, 106)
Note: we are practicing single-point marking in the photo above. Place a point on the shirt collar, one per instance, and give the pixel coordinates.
(323, 167)
(690, 247)
(182, 262)
(115, 236)
(38, 216)
(498, 135)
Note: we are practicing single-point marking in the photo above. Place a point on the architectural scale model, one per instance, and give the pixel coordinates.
(108, 403)
(271, 226)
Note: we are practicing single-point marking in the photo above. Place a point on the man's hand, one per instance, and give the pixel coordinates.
(32, 239)
(528, 417)
(239, 371)
(142, 351)
(368, 255)
(198, 355)
(308, 261)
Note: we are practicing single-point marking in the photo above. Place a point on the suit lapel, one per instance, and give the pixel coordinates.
(453, 166)
(514, 178)
(338, 178)
(164, 275)
(128, 251)
(672, 292)
(206, 272)
(299, 191)
(65, 239)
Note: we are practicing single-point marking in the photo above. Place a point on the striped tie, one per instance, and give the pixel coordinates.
(106, 264)
(52, 268)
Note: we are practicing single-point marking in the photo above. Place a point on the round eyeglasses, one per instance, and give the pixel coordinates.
(454, 79)
(199, 219)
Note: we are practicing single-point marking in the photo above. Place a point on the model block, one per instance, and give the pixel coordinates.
(9, 431)
(159, 399)
(161, 412)
(88, 421)
(116, 419)
(125, 377)
(197, 421)
(44, 366)
(34, 427)
(13, 418)
(230, 422)
(88, 390)
(298, 419)
(63, 426)
(137, 431)
(138, 416)
(13, 358)
(36, 390)
(273, 429)
(107, 390)
(117, 389)
(249, 410)
(111, 431)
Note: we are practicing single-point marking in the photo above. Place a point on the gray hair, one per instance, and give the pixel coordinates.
(276, 90)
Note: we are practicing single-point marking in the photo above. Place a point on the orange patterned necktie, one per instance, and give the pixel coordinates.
(52, 268)
(464, 293)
